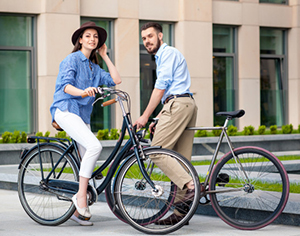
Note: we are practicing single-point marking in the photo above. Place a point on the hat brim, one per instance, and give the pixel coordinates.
(102, 35)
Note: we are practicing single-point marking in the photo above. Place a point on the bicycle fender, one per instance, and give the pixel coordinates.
(25, 152)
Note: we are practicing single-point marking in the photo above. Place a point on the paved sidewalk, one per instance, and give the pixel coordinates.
(290, 215)
(14, 221)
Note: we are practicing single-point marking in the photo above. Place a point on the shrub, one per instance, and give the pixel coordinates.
(248, 130)
(262, 129)
(47, 134)
(114, 134)
(15, 137)
(217, 132)
(6, 136)
(61, 134)
(201, 133)
(298, 128)
(103, 134)
(273, 129)
(287, 129)
(39, 134)
(232, 130)
(23, 137)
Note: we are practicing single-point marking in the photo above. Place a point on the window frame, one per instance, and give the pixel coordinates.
(284, 71)
(286, 2)
(234, 56)
(33, 64)
(143, 51)
(110, 52)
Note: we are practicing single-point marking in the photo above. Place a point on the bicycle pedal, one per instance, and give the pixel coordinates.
(222, 179)
(204, 201)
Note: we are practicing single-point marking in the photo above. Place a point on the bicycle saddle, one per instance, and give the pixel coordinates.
(231, 114)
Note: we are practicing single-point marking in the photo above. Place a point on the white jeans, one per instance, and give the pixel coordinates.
(89, 146)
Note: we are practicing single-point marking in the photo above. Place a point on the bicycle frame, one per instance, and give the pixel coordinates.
(214, 157)
(115, 157)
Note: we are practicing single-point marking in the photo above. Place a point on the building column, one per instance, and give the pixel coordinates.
(249, 75)
(293, 68)
(127, 57)
(193, 38)
(54, 44)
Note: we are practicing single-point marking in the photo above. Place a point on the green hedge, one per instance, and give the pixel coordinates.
(114, 134)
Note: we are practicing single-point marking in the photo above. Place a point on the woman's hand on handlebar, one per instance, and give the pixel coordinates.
(90, 91)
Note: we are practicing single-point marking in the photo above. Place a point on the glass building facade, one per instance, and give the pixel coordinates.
(17, 73)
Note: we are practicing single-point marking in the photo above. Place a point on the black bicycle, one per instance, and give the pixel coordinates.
(136, 190)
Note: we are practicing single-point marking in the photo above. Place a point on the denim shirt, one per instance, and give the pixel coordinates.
(75, 70)
(172, 72)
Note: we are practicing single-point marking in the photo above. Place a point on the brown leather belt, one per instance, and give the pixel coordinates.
(177, 96)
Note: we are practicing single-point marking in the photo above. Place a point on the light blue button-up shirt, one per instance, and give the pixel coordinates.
(172, 72)
(75, 70)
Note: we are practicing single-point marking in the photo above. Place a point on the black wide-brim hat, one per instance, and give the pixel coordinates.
(102, 35)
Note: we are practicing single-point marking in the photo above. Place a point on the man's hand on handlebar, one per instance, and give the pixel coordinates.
(152, 127)
(141, 122)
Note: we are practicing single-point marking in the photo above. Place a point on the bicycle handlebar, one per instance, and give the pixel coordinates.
(109, 102)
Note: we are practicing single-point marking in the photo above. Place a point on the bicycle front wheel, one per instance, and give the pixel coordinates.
(251, 191)
(43, 205)
(146, 210)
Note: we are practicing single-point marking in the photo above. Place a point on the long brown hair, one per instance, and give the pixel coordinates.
(77, 47)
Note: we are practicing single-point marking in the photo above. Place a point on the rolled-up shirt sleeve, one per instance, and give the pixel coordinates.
(165, 70)
(105, 78)
(68, 70)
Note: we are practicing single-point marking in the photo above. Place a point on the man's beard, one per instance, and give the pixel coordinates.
(155, 49)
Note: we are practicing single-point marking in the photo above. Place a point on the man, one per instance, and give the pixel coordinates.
(179, 110)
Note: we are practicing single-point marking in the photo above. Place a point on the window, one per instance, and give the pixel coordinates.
(224, 70)
(101, 117)
(275, 1)
(148, 67)
(17, 73)
(273, 78)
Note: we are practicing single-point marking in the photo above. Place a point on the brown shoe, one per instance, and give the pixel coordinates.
(188, 197)
(171, 220)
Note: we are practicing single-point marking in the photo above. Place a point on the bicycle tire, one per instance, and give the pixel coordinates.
(113, 205)
(111, 202)
(261, 200)
(138, 204)
(44, 206)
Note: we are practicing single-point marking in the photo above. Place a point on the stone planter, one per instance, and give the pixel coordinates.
(203, 147)
(278, 143)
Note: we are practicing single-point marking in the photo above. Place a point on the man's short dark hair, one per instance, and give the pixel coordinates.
(155, 25)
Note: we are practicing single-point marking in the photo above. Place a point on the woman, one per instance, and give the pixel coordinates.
(79, 73)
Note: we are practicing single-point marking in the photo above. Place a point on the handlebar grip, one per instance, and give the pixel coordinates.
(109, 102)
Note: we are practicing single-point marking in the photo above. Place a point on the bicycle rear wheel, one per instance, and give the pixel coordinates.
(43, 205)
(253, 201)
(144, 209)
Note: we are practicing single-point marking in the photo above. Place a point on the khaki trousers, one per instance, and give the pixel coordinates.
(170, 133)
